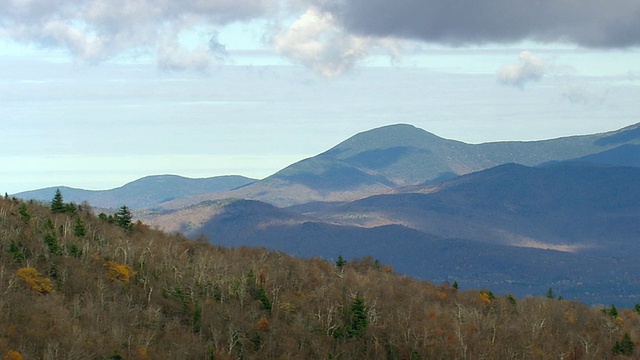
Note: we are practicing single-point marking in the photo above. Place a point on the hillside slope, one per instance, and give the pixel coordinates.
(76, 287)
(521, 270)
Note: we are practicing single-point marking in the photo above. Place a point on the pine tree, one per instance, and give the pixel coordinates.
(24, 213)
(123, 218)
(550, 294)
(57, 204)
(358, 315)
(625, 347)
(79, 229)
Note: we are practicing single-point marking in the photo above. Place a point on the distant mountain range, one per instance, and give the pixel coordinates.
(516, 217)
(373, 162)
(144, 193)
(574, 227)
(380, 160)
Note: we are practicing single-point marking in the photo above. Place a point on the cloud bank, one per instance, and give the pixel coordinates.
(328, 36)
(588, 23)
(93, 30)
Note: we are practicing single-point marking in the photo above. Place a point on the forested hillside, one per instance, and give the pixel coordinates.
(77, 286)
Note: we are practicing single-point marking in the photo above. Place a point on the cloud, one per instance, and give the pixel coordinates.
(528, 68)
(328, 36)
(217, 49)
(173, 56)
(588, 23)
(93, 30)
(316, 42)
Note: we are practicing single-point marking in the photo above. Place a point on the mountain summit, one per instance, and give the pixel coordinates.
(380, 160)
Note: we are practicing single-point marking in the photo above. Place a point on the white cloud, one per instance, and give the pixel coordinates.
(317, 42)
(528, 68)
(173, 56)
(93, 30)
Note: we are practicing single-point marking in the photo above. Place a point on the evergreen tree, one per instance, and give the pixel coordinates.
(358, 317)
(57, 204)
(78, 228)
(625, 347)
(24, 213)
(123, 218)
(70, 208)
(341, 262)
(550, 294)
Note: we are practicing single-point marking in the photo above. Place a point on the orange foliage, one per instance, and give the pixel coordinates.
(35, 280)
(142, 353)
(263, 324)
(119, 272)
(13, 355)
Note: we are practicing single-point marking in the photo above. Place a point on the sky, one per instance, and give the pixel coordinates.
(97, 93)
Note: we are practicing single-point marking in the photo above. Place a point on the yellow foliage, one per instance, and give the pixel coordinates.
(13, 355)
(119, 272)
(441, 295)
(570, 317)
(35, 280)
(484, 297)
(287, 307)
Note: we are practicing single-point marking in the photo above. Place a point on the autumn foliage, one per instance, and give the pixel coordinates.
(115, 293)
(119, 272)
(35, 280)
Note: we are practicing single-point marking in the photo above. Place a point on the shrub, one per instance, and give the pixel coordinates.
(119, 272)
(12, 355)
(35, 280)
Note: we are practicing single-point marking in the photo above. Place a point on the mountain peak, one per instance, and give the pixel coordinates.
(389, 136)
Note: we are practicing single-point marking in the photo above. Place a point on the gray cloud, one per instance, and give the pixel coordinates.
(93, 30)
(528, 68)
(328, 36)
(589, 23)
(218, 50)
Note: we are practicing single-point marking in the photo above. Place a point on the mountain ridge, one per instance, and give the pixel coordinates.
(569, 216)
(381, 159)
(146, 192)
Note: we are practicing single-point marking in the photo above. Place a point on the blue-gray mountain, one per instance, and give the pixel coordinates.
(574, 227)
(144, 193)
(380, 160)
